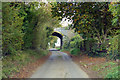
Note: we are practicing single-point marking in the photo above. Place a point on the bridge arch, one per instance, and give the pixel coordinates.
(59, 35)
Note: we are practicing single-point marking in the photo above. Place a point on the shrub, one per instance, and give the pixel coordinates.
(66, 44)
(75, 41)
(89, 46)
(12, 28)
(93, 48)
(13, 63)
(114, 73)
(113, 50)
(75, 51)
(73, 44)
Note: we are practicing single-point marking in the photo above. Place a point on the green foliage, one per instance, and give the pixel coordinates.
(90, 46)
(27, 26)
(13, 63)
(66, 44)
(73, 44)
(90, 19)
(114, 73)
(108, 70)
(12, 27)
(58, 48)
(65, 50)
(113, 51)
(114, 7)
(93, 48)
(75, 51)
(53, 41)
(75, 41)
(44, 27)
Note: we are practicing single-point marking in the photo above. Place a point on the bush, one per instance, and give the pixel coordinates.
(75, 51)
(66, 43)
(114, 73)
(12, 28)
(73, 44)
(93, 48)
(75, 41)
(113, 50)
(89, 46)
(13, 63)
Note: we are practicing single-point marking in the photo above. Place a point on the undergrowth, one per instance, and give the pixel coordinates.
(64, 50)
(13, 63)
(108, 70)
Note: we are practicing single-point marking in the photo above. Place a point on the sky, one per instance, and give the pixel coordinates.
(65, 23)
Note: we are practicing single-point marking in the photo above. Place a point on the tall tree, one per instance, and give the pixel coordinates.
(12, 27)
(92, 19)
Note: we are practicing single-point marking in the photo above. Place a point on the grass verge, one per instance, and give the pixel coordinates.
(108, 69)
(12, 64)
(97, 67)
(62, 50)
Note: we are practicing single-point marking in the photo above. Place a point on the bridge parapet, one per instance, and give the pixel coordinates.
(68, 33)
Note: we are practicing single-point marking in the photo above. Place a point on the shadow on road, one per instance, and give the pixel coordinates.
(55, 50)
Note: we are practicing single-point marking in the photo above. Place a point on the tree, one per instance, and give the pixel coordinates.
(90, 19)
(114, 7)
(44, 27)
(12, 27)
(27, 26)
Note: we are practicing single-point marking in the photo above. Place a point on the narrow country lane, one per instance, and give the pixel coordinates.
(59, 65)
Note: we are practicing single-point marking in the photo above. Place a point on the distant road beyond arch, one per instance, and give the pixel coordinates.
(60, 35)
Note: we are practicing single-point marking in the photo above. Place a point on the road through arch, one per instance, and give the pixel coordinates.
(60, 35)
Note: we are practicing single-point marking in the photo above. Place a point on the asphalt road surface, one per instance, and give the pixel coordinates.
(59, 65)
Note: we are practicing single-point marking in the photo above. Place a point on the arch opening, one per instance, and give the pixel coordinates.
(59, 35)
